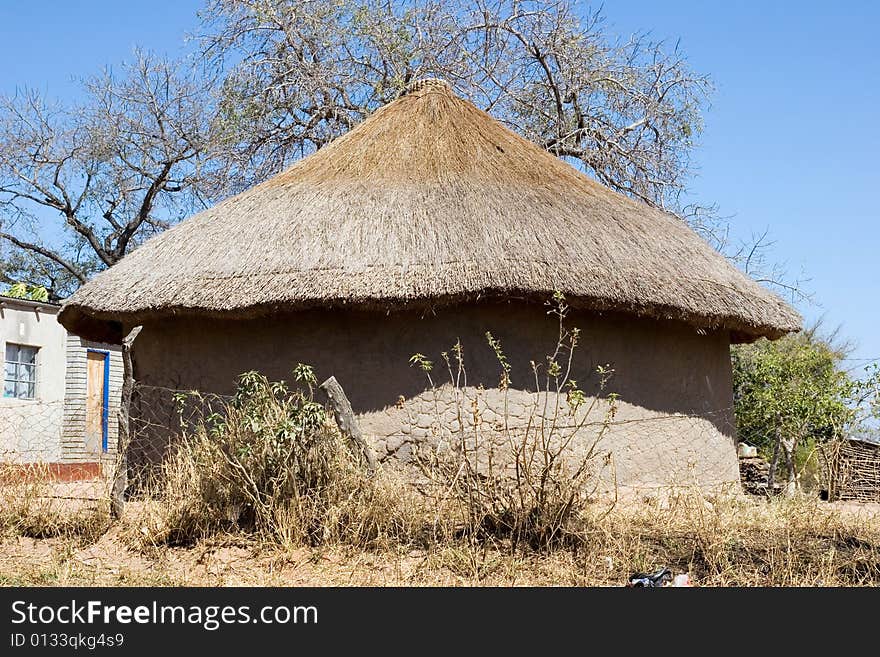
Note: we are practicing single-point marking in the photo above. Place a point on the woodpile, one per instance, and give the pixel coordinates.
(753, 473)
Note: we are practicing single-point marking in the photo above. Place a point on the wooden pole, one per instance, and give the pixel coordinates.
(346, 421)
(120, 478)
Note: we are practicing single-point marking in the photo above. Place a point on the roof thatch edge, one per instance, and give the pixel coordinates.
(103, 326)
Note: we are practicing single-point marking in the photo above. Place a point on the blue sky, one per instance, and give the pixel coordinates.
(790, 145)
(791, 140)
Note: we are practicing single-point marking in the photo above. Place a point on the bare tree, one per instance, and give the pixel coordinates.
(301, 73)
(753, 254)
(81, 185)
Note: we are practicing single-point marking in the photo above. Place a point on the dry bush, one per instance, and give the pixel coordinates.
(489, 504)
(722, 542)
(271, 464)
(527, 481)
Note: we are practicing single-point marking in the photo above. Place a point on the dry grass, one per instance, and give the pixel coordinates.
(725, 542)
(30, 508)
(272, 466)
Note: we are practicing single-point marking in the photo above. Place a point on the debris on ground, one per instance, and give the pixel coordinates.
(746, 451)
(660, 577)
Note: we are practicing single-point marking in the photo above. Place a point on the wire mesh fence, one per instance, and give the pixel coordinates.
(42, 441)
(675, 449)
(74, 457)
(160, 417)
(38, 444)
(30, 431)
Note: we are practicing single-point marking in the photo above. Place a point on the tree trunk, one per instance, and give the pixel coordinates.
(120, 478)
(788, 447)
(346, 421)
(774, 462)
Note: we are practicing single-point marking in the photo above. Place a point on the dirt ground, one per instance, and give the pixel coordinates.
(866, 511)
(234, 562)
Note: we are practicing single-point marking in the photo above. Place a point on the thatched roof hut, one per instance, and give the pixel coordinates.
(432, 222)
(428, 201)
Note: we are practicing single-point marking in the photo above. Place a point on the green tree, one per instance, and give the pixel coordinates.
(793, 393)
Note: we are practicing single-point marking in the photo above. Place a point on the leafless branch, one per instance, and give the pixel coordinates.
(105, 173)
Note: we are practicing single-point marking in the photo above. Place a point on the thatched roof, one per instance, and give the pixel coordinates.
(428, 201)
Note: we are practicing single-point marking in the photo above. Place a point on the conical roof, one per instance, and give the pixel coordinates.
(428, 201)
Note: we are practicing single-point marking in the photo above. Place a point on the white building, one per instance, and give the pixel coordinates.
(60, 394)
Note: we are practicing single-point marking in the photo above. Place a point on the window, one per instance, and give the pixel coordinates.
(20, 378)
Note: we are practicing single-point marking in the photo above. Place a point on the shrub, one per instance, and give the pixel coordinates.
(270, 463)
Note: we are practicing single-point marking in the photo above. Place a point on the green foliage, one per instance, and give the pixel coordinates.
(421, 361)
(793, 392)
(866, 400)
(269, 463)
(495, 345)
(305, 374)
(269, 449)
(792, 386)
(29, 292)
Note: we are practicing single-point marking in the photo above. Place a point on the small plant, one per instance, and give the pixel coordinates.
(525, 480)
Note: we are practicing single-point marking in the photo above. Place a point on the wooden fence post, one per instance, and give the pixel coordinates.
(345, 419)
(120, 478)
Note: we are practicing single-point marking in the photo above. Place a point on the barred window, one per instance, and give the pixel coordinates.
(20, 377)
